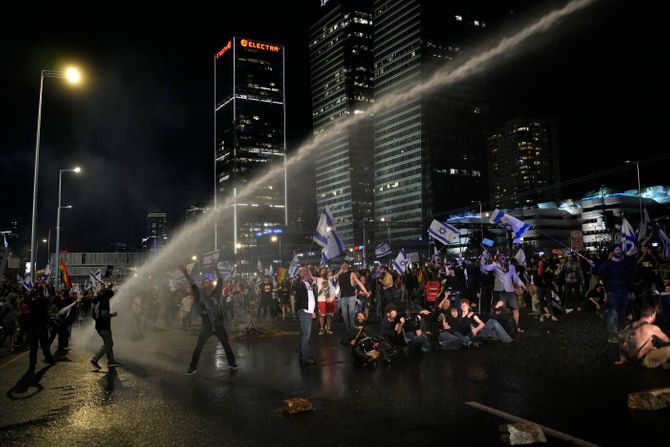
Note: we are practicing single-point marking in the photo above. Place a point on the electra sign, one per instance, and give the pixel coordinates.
(224, 49)
(259, 45)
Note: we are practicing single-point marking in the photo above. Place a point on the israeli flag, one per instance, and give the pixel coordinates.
(294, 267)
(325, 226)
(383, 249)
(665, 240)
(645, 230)
(5, 243)
(95, 277)
(400, 263)
(516, 226)
(628, 239)
(333, 248)
(28, 282)
(46, 275)
(443, 232)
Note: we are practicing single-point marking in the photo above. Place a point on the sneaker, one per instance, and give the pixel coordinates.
(329, 332)
(95, 364)
(113, 364)
(232, 365)
(542, 318)
(567, 311)
(553, 318)
(321, 332)
(191, 370)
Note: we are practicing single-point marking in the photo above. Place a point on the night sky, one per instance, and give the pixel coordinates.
(141, 126)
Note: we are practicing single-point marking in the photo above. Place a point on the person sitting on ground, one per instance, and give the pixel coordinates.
(365, 344)
(503, 315)
(638, 342)
(596, 298)
(492, 329)
(447, 336)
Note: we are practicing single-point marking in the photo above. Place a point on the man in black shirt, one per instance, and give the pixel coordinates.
(103, 324)
(209, 300)
(38, 303)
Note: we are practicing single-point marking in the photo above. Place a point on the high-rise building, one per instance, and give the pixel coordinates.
(250, 141)
(523, 163)
(157, 232)
(341, 67)
(429, 150)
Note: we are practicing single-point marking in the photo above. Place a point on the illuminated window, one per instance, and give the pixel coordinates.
(459, 18)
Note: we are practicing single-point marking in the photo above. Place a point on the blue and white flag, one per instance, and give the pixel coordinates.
(323, 228)
(294, 267)
(436, 253)
(645, 230)
(516, 226)
(628, 239)
(383, 249)
(28, 282)
(665, 240)
(95, 277)
(46, 273)
(400, 263)
(443, 232)
(333, 248)
(6, 244)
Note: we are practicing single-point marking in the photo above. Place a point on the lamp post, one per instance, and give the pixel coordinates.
(73, 76)
(277, 239)
(60, 188)
(639, 188)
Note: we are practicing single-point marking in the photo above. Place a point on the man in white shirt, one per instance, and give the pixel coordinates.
(508, 278)
(305, 298)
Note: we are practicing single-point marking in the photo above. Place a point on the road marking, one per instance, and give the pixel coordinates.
(550, 431)
(14, 359)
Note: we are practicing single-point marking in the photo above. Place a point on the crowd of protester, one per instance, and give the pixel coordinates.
(443, 304)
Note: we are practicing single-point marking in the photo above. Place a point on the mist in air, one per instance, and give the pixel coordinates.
(156, 272)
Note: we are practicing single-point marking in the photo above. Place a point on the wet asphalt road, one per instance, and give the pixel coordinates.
(560, 375)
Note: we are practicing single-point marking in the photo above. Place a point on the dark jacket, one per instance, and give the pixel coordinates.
(101, 314)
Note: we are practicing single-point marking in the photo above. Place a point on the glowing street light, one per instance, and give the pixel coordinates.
(76, 170)
(72, 76)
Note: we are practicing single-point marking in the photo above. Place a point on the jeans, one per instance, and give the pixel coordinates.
(448, 341)
(206, 332)
(106, 347)
(569, 288)
(304, 351)
(348, 308)
(616, 307)
(493, 329)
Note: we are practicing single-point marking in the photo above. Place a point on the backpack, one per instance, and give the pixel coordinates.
(627, 345)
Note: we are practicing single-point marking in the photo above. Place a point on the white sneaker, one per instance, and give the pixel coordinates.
(553, 318)
(567, 311)
(321, 332)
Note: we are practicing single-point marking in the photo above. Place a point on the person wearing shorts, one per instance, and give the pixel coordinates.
(326, 303)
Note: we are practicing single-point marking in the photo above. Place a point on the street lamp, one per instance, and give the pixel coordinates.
(72, 76)
(275, 239)
(388, 230)
(639, 187)
(76, 170)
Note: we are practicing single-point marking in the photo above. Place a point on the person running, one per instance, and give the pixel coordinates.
(209, 300)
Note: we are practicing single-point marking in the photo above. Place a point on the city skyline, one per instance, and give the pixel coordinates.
(141, 128)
